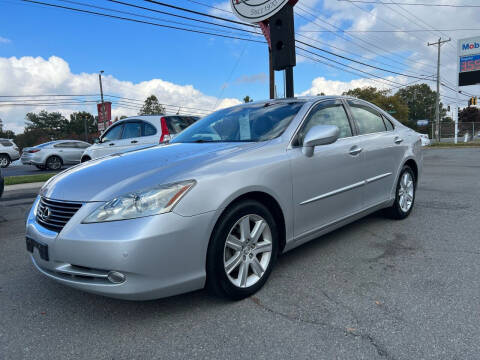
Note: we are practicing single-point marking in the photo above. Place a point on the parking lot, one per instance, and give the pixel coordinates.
(376, 289)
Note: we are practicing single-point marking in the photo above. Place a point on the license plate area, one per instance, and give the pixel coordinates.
(41, 247)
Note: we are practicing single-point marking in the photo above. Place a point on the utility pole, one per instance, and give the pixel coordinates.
(101, 96)
(437, 102)
(271, 74)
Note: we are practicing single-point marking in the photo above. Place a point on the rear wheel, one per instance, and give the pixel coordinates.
(4, 160)
(242, 250)
(404, 196)
(53, 163)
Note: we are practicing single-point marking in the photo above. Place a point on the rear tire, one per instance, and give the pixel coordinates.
(404, 195)
(239, 267)
(4, 160)
(54, 163)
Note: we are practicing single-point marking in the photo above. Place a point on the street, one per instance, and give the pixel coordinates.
(375, 289)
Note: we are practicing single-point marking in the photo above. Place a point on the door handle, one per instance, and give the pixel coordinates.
(133, 141)
(398, 140)
(111, 144)
(355, 150)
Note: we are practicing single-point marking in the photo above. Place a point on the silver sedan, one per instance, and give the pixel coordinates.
(53, 155)
(219, 203)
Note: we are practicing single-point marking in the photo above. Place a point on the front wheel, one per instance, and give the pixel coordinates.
(242, 250)
(404, 196)
(4, 160)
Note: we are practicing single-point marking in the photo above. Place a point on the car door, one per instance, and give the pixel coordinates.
(108, 141)
(326, 186)
(131, 136)
(80, 147)
(150, 136)
(66, 150)
(382, 151)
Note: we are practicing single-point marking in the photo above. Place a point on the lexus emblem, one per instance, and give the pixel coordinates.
(44, 213)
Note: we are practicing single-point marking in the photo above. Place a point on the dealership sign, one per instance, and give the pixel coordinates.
(469, 61)
(254, 11)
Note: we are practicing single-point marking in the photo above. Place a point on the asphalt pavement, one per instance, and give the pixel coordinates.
(375, 289)
(26, 170)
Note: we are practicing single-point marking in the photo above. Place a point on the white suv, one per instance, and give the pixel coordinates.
(8, 152)
(137, 132)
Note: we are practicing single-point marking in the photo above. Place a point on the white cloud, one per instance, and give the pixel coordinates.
(4, 40)
(37, 76)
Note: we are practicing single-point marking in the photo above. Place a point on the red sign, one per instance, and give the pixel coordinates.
(106, 108)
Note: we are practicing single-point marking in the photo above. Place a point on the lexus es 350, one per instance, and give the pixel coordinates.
(217, 205)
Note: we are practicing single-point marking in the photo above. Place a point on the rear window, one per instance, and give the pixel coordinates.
(177, 124)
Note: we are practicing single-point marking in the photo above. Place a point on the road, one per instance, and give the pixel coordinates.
(25, 170)
(376, 289)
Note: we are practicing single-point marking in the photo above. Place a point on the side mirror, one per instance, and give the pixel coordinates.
(96, 141)
(319, 135)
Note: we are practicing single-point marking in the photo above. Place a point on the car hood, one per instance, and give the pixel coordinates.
(108, 177)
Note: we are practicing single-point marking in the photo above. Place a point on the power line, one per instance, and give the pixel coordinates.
(140, 21)
(384, 31)
(210, 6)
(415, 4)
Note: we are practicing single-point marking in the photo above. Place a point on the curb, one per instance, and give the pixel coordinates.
(34, 185)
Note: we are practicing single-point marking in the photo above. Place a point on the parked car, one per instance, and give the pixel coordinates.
(8, 152)
(2, 183)
(216, 205)
(425, 139)
(136, 132)
(53, 155)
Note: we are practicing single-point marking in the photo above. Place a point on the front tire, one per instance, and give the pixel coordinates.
(242, 251)
(4, 160)
(404, 195)
(85, 159)
(54, 163)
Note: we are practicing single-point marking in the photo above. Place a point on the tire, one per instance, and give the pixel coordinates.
(403, 205)
(54, 163)
(85, 158)
(40, 167)
(4, 160)
(241, 254)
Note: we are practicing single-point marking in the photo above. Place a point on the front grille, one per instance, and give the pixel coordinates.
(54, 214)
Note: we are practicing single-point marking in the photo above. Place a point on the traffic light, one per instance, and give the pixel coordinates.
(282, 38)
(472, 101)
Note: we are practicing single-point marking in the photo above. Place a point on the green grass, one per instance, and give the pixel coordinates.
(460, 144)
(25, 179)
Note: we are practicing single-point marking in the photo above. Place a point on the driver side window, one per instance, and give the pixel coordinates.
(326, 113)
(113, 133)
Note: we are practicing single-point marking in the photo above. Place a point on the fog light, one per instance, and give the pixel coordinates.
(116, 277)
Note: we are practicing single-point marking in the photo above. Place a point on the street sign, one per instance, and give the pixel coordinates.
(422, 122)
(254, 11)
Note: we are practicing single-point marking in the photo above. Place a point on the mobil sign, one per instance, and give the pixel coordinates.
(469, 46)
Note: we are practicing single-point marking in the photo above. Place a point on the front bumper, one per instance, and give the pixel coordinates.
(160, 255)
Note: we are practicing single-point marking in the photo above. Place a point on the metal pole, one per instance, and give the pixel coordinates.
(272, 74)
(289, 82)
(85, 125)
(101, 96)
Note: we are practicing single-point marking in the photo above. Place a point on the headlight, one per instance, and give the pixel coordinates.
(153, 201)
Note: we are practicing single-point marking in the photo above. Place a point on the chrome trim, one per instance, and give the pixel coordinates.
(78, 271)
(378, 177)
(334, 192)
(346, 188)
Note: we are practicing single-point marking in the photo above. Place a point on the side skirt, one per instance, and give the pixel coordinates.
(324, 229)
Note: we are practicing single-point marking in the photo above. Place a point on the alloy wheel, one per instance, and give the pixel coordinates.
(248, 251)
(3, 161)
(54, 163)
(406, 192)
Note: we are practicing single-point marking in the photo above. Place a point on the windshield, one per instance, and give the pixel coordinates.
(255, 122)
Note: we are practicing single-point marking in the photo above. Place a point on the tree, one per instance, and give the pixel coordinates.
(53, 124)
(247, 99)
(151, 106)
(390, 103)
(469, 114)
(75, 128)
(420, 99)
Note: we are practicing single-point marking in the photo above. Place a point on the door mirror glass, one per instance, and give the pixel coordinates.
(319, 135)
(96, 141)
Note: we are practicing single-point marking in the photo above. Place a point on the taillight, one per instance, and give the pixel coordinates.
(165, 133)
(33, 151)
